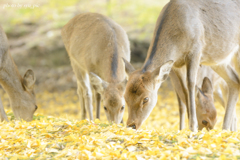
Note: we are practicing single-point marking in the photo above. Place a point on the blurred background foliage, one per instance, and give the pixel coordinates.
(34, 32)
(136, 16)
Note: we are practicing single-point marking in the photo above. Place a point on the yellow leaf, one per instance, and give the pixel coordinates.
(198, 158)
(207, 136)
(222, 157)
(233, 140)
(14, 158)
(228, 150)
(163, 157)
(97, 121)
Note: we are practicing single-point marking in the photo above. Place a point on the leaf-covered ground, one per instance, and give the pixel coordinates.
(57, 133)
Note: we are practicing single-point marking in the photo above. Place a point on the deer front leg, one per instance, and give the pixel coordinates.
(192, 63)
(98, 105)
(182, 111)
(234, 122)
(82, 104)
(84, 83)
(181, 96)
(3, 115)
(232, 80)
(87, 95)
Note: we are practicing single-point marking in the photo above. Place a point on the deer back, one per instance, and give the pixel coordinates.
(96, 42)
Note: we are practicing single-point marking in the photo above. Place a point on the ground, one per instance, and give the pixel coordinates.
(57, 133)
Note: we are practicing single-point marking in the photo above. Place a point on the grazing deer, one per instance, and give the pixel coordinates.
(20, 90)
(96, 45)
(188, 33)
(209, 87)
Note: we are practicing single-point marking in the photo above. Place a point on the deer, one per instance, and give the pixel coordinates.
(209, 87)
(96, 45)
(187, 34)
(205, 108)
(19, 89)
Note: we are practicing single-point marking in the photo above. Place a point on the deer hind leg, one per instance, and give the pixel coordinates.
(3, 115)
(192, 64)
(219, 97)
(98, 105)
(122, 121)
(232, 80)
(236, 61)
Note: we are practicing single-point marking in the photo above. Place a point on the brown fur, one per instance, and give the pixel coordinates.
(190, 33)
(20, 90)
(96, 45)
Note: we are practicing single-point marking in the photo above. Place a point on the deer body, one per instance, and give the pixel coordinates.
(19, 90)
(96, 45)
(189, 33)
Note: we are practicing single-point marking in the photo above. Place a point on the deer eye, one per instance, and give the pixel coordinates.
(145, 100)
(105, 108)
(122, 108)
(204, 122)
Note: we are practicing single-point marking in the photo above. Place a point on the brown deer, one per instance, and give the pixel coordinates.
(205, 108)
(209, 87)
(96, 45)
(188, 33)
(20, 90)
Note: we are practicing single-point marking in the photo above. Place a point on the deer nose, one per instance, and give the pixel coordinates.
(133, 126)
(36, 107)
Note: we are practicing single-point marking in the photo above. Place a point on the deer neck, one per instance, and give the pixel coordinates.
(161, 48)
(10, 78)
(158, 56)
(116, 73)
(164, 45)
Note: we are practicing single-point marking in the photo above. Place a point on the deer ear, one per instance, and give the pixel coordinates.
(29, 80)
(161, 73)
(199, 93)
(98, 83)
(207, 86)
(128, 67)
(200, 97)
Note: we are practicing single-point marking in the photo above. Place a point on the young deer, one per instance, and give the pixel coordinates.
(188, 33)
(209, 87)
(205, 108)
(96, 45)
(19, 90)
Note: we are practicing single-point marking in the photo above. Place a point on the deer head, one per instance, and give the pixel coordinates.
(24, 103)
(112, 95)
(141, 91)
(206, 111)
